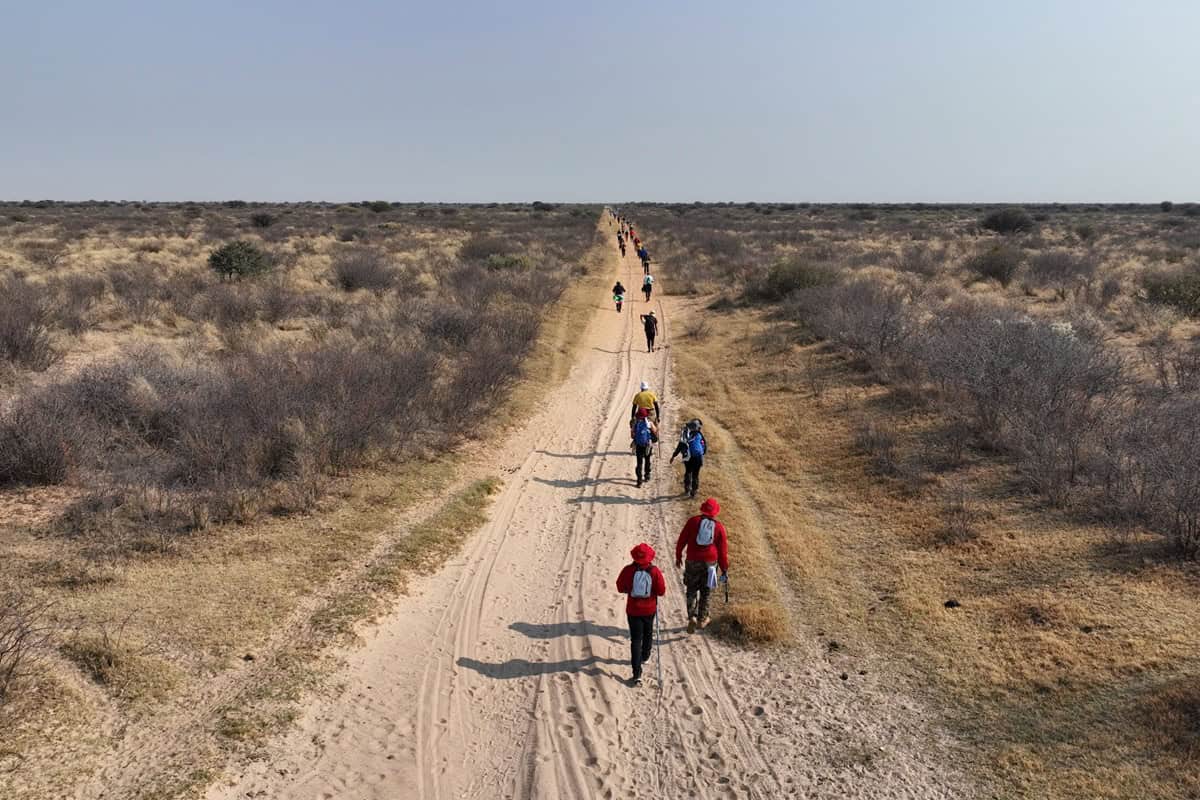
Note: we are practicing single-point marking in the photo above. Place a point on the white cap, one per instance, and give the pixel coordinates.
(645, 386)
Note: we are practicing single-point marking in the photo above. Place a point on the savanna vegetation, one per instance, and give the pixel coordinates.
(213, 420)
(967, 437)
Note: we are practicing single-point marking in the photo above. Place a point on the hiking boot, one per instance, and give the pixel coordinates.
(639, 483)
(691, 624)
(704, 623)
(692, 494)
(636, 680)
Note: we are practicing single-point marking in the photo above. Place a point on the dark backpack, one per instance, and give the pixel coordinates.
(641, 433)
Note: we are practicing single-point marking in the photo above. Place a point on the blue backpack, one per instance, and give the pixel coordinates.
(696, 446)
(641, 433)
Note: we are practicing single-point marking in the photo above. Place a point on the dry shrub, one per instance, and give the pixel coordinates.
(999, 263)
(958, 516)
(867, 315)
(1061, 271)
(480, 248)
(23, 634)
(25, 317)
(363, 268)
(39, 440)
(75, 296)
(136, 286)
(878, 441)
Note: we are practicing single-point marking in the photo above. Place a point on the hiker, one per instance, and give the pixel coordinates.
(644, 584)
(692, 448)
(621, 244)
(648, 286)
(644, 434)
(618, 295)
(644, 255)
(645, 399)
(650, 324)
(707, 549)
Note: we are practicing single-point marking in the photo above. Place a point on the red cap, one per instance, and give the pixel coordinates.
(642, 554)
(710, 507)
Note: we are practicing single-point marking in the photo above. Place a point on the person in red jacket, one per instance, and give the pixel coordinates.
(644, 583)
(707, 548)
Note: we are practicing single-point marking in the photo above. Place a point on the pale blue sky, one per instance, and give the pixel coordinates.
(568, 101)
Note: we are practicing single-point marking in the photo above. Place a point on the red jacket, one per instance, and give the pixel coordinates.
(643, 555)
(718, 551)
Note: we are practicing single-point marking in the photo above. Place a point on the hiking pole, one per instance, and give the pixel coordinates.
(658, 651)
(725, 580)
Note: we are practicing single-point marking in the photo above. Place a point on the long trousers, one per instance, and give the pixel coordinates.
(643, 453)
(695, 579)
(641, 640)
(691, 474)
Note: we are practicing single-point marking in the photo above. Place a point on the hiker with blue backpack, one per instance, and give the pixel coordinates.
(644, 434)
(707, 546)
(692, 447)
(644, 584)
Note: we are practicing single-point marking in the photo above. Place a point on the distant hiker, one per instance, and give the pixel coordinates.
(645, 399)
(648, 286)
(618, 295)
(692, 447)
(644, 584)
(621, 244)
(707, 549)
(650, 324)
(644, 434)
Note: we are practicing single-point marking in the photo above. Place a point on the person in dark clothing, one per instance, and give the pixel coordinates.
(692, 447)
(650, 323)
(644, 584)
(648, 286)
(618, 295)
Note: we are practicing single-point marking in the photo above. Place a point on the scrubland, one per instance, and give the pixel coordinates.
(966, 437)
(208, 412)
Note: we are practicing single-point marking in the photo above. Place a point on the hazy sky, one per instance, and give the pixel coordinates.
(563, 100)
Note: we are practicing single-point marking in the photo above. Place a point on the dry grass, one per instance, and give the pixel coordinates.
(1069, 661)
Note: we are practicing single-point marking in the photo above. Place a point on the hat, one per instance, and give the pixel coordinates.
(652, 313)
(695, 424)
(710, 507)
(645, 385)
(642, 554)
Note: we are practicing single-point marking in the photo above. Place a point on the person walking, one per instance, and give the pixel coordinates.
(650, 324)
(618, 295)
(645, 399)
(692, 447)
(642, 583)
(648, 286)
(644, 434)
(707, 549)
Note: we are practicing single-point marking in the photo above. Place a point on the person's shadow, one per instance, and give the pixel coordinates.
(523, 668)
(553, 630)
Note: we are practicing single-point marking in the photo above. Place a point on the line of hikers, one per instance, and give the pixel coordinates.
(703, 539)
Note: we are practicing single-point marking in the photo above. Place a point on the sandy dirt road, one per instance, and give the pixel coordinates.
(503, 675)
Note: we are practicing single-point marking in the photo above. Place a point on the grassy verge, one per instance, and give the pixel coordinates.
(1063, 653)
